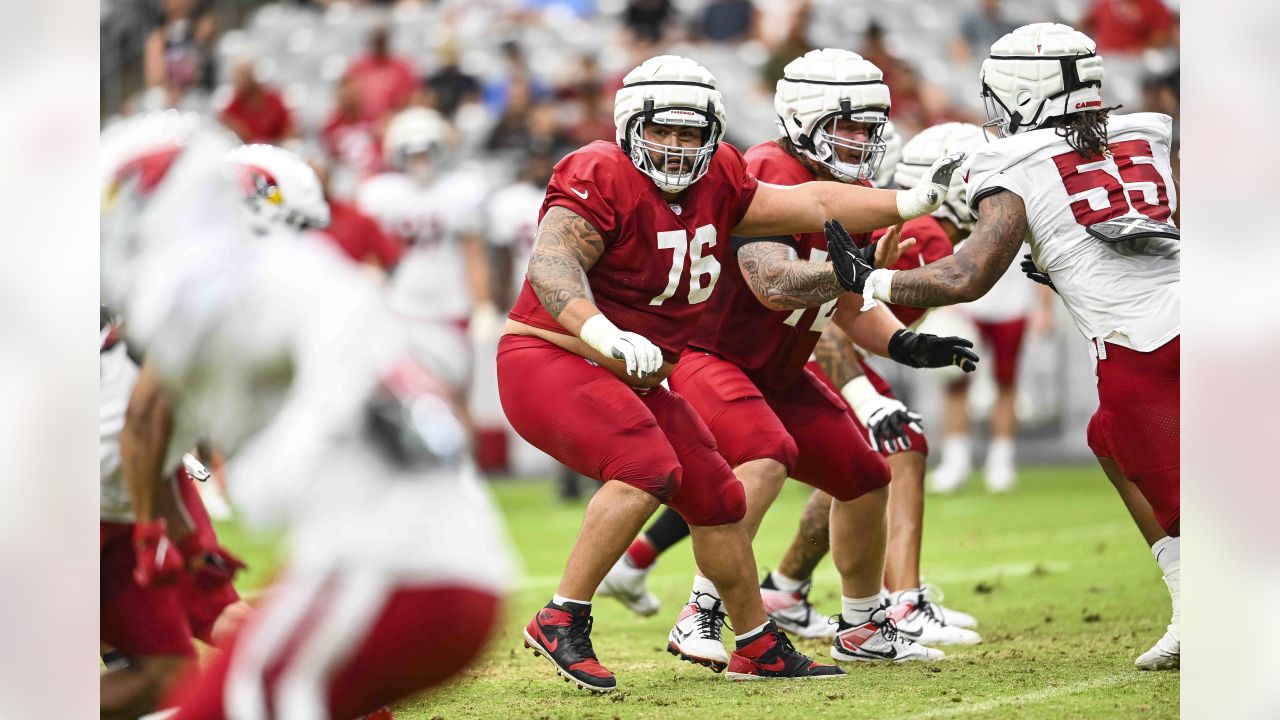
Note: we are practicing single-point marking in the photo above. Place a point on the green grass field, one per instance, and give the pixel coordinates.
(1065, 590)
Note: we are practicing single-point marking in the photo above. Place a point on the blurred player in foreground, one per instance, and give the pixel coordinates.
(635, 232)
(744, 374)
(1095, 193)
(282, 355)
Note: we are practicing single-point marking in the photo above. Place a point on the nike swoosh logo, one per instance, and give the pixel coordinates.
(893, 653)
(774, 666)
(579, 193)
(547, 644)
(683, 635)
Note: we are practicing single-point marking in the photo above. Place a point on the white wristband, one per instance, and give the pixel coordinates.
(879, 284)
(919, 200)
(599, 332)
(857, 392)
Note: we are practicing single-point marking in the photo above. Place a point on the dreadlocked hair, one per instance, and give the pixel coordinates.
(1085, 132)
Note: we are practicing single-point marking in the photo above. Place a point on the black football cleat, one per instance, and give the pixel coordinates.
(771, 656)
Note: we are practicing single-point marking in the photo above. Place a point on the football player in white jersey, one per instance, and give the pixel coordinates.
(1094, 194)
(285, 357)
(441, 286)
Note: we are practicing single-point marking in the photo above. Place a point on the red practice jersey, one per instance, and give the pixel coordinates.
(772, 346)
(661, 259)
(932, 244)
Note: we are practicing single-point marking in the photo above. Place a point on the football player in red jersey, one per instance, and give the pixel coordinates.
(612, 247)
(744, 372)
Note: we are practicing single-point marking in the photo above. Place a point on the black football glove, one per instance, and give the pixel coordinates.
(850, 262)
(1033, 273)
(921, 350)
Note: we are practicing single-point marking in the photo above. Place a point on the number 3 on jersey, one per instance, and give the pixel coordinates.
(699, 265)
(1132, 160)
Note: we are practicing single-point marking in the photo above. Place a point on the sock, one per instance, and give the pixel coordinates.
(1167, 552)
(1000, 452)
(748, 636)
(955, 449)
(784, 583)
(641, 553)
(666, 530)
(703, 585)
(561, 601)
(858, 611)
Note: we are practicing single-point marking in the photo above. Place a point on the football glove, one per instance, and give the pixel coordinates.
(921, 350)
(642, 357)
(887, 420)
(1033, 273)
(851, 264)
(157, 560)
(210, 564)
(929, 193)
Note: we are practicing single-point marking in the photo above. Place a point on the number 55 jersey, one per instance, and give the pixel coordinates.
(661, 258)
(1124, 293)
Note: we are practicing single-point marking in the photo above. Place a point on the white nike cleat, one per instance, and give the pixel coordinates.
(792, 612)
(626, 583)
(950, 475)
(696, 635)
(955, 618)
(918, 620)
(878, 641)
(1166, 654)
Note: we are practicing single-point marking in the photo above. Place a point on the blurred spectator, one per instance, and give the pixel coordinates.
(256, 112)
(909, 111)
(530, 127)
(350, 140)
(449, 84)
(647, 19)
(727, 20)
(980, 30)
(357, 235)
(512, 213)
(793, 43)
(176, 52)
(383, 81)
(1129, 26)
(594, 112)
(515, 71)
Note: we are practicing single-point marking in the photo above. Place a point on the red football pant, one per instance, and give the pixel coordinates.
(806, 427)
(1005, 342)
(919, 443)
(339, 647)
(1137, 422)
(586, 418)
(138, 621)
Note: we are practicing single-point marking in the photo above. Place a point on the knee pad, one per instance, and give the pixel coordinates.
(657, 477)
(724, 504)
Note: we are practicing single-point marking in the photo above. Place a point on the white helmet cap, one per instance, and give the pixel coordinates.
(892, 154)
(161, 179)
(669, 90)
(411, 131)
(1040, 71)
(935, 142)
(823, 87)
(279, 188)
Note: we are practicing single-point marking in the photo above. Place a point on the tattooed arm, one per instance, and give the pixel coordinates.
(782, 281)
(565, 248)
(970, 273)
(836, 357)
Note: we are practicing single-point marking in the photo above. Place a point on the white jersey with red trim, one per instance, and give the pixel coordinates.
(1114, 292)
(513, 223)
(430, 283)
(117, 375)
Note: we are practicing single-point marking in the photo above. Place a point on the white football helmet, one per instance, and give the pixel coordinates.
(816, 92)
(161, 180)
(892, 154)
(924, 149)
(669, 90)
(413, 135)
(279, 188)
(1037, 72)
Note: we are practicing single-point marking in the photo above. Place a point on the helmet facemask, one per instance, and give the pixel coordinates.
(672, 167)
(832, 139)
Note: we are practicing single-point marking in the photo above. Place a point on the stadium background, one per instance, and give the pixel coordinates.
(516, 77)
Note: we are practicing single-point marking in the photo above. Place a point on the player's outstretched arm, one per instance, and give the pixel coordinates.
(972, 271)
(788, 210)
(782, 281)
(566, 247)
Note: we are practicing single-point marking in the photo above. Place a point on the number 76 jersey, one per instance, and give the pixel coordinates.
(662, 259)
(1124, 293)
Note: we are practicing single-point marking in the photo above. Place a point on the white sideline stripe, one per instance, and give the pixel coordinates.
(1029, 697)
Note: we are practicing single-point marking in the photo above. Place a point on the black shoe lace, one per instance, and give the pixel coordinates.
(578, 639)
(889, 629)
(710, 621)
(930, 610)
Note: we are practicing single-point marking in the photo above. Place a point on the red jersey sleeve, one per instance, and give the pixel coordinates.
(740, 175)
(583, 184)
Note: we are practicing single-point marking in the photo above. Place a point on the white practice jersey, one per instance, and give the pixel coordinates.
(1114, 293)
(513, 223)
(274, 348)
(1012, 297)
(117, 375)
(430, 283)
